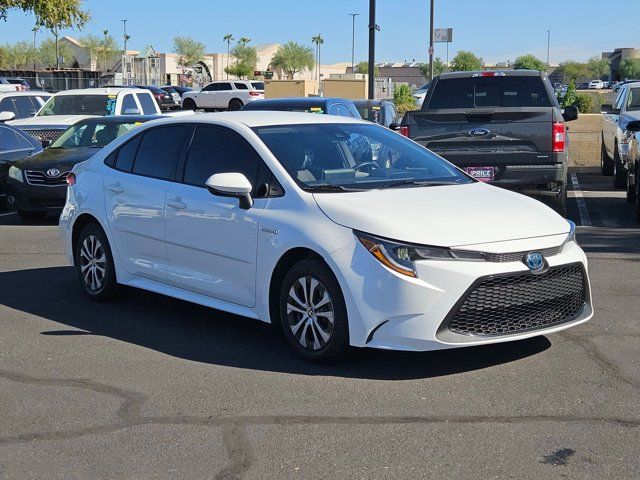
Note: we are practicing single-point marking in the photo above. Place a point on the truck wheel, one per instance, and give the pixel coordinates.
(235, 105)
(606, 165)
(619, 173)
(189, 104)
(561, 200)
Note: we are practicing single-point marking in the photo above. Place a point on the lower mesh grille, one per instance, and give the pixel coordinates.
(514, 303)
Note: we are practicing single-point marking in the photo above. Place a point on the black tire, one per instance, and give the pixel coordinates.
(619, 173)
(560, 204)
(30, 215)
(189, 104)
(606, 164)
(631, 189)
(235, 105)
(300, 280)
(103, 287)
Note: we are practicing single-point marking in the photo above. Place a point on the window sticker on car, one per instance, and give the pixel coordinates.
(111, 106)
(316, 110)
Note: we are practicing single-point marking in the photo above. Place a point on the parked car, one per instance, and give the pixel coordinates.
(378, 111)
(422, 88)
(226, 95)
(614, 157)
(17, 105)
(633, 177)
(66, 108)
(582, 86)
(164, 99)
(14, 145)
(177, 89)
(37, 184)
(595, 84)
(271, 216)
(606, 84)
(319, 105)
(505, 128)
(13, 84)
(620, 84)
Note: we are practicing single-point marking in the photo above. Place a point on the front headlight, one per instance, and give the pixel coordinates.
(401, 257)
(16, 174)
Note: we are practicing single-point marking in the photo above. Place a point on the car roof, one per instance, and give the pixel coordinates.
(99, 91)
(259, 118)
(122, 119)
(370, 103)
(301, 101)
(28, 93)
(500, 73)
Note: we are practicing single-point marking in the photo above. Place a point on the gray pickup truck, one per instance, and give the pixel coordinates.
(505, 128)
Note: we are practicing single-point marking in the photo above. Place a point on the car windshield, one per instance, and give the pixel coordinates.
(350, 156)
(92, 134)
(79, 105)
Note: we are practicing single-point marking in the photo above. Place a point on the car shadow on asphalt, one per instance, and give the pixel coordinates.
(200, 334)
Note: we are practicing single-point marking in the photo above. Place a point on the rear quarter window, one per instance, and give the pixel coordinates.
(480, 92)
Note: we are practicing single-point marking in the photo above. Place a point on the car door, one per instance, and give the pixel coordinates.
(206, 97)
(223, 95)
(135, 191)
(211, 241)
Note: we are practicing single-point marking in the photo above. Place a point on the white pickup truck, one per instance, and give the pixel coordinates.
(65, 108)
(224, 95)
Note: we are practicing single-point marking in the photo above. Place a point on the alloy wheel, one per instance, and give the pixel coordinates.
(93, 263)
(310, 313)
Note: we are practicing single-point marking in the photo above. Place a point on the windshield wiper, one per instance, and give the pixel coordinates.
(327, 188)
(417, 183)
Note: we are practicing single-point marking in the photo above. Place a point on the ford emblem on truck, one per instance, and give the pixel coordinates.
(479, 132)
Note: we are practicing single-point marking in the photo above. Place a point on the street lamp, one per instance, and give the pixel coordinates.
(124, 35)
(548, 45)
(353, 40)
(34, 30)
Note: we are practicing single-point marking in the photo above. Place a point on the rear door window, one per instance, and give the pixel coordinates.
(480, 92)
(7, 105)
(24, 106)
(129, 103)
(159, 151)
(149, 106)
(224, 86)
(127, 154)
(10, 141)
(241, 86)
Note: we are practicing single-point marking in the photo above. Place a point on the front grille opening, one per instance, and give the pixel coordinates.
(520, 302)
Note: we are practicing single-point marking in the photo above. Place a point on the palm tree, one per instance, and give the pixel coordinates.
(318, 40)
(244, 40)
(228, 38)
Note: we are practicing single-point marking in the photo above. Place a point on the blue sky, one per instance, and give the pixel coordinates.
(496, 30)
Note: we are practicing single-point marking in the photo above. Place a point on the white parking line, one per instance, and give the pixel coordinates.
(6, 214)
(585, 219)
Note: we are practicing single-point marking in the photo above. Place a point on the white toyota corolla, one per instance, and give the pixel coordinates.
(340, 231)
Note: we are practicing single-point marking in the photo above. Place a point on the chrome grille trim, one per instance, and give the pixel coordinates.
(40, 179)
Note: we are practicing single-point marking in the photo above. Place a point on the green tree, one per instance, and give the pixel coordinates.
(246, 60)
(17, 56)
(47, 53)
(599, 67)
(630, 68)
(529, 62)
(363, 67)
(439, 67)
(228, 38)
(291, 58)
(466, 61)
(574, 70)
(103, 50)
(189, 51)
(50, 14)
(403, 99)
(318, 40)
(569, 97)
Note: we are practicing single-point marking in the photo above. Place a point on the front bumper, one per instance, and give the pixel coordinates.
(391, 311)
(22, 196)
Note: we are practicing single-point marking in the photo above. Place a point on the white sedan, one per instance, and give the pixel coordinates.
(290, 218)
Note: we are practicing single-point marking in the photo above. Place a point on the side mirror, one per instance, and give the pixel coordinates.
(233, 185)
(6, 116)
(570, 113)
(394, 126)
(633, 126)
(131, 111)
(608, 108)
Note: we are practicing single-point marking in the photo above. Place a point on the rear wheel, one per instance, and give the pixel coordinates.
(631, 188)
(30, 215)
(606, 164)
(189, 104)
(94, 264)
(619, 173)
(561, 200)
(312, 312)
(235, 105)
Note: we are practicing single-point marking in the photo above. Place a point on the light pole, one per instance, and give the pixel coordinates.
(548, 46)
(372, 49)
(124, 35)
(431, 42)
(34, 30)
(353, 40)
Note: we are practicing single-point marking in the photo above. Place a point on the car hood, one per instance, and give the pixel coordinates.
(49, 121)
(446, 216)
(64, 159)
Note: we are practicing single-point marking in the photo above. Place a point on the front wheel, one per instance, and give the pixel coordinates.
(189, 104)
(631, 188)
(606, 165)
(619, 173)
(94, 264)
(235, 105)
(313, 314)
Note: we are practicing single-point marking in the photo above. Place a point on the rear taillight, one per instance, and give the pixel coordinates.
(71, 178)
(255, 94)
(559, 136)
(404, 131)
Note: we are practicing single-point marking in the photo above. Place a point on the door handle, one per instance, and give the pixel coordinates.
(115, 188)
(177, 204)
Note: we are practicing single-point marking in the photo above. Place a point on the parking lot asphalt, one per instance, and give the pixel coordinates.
(151, 387)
